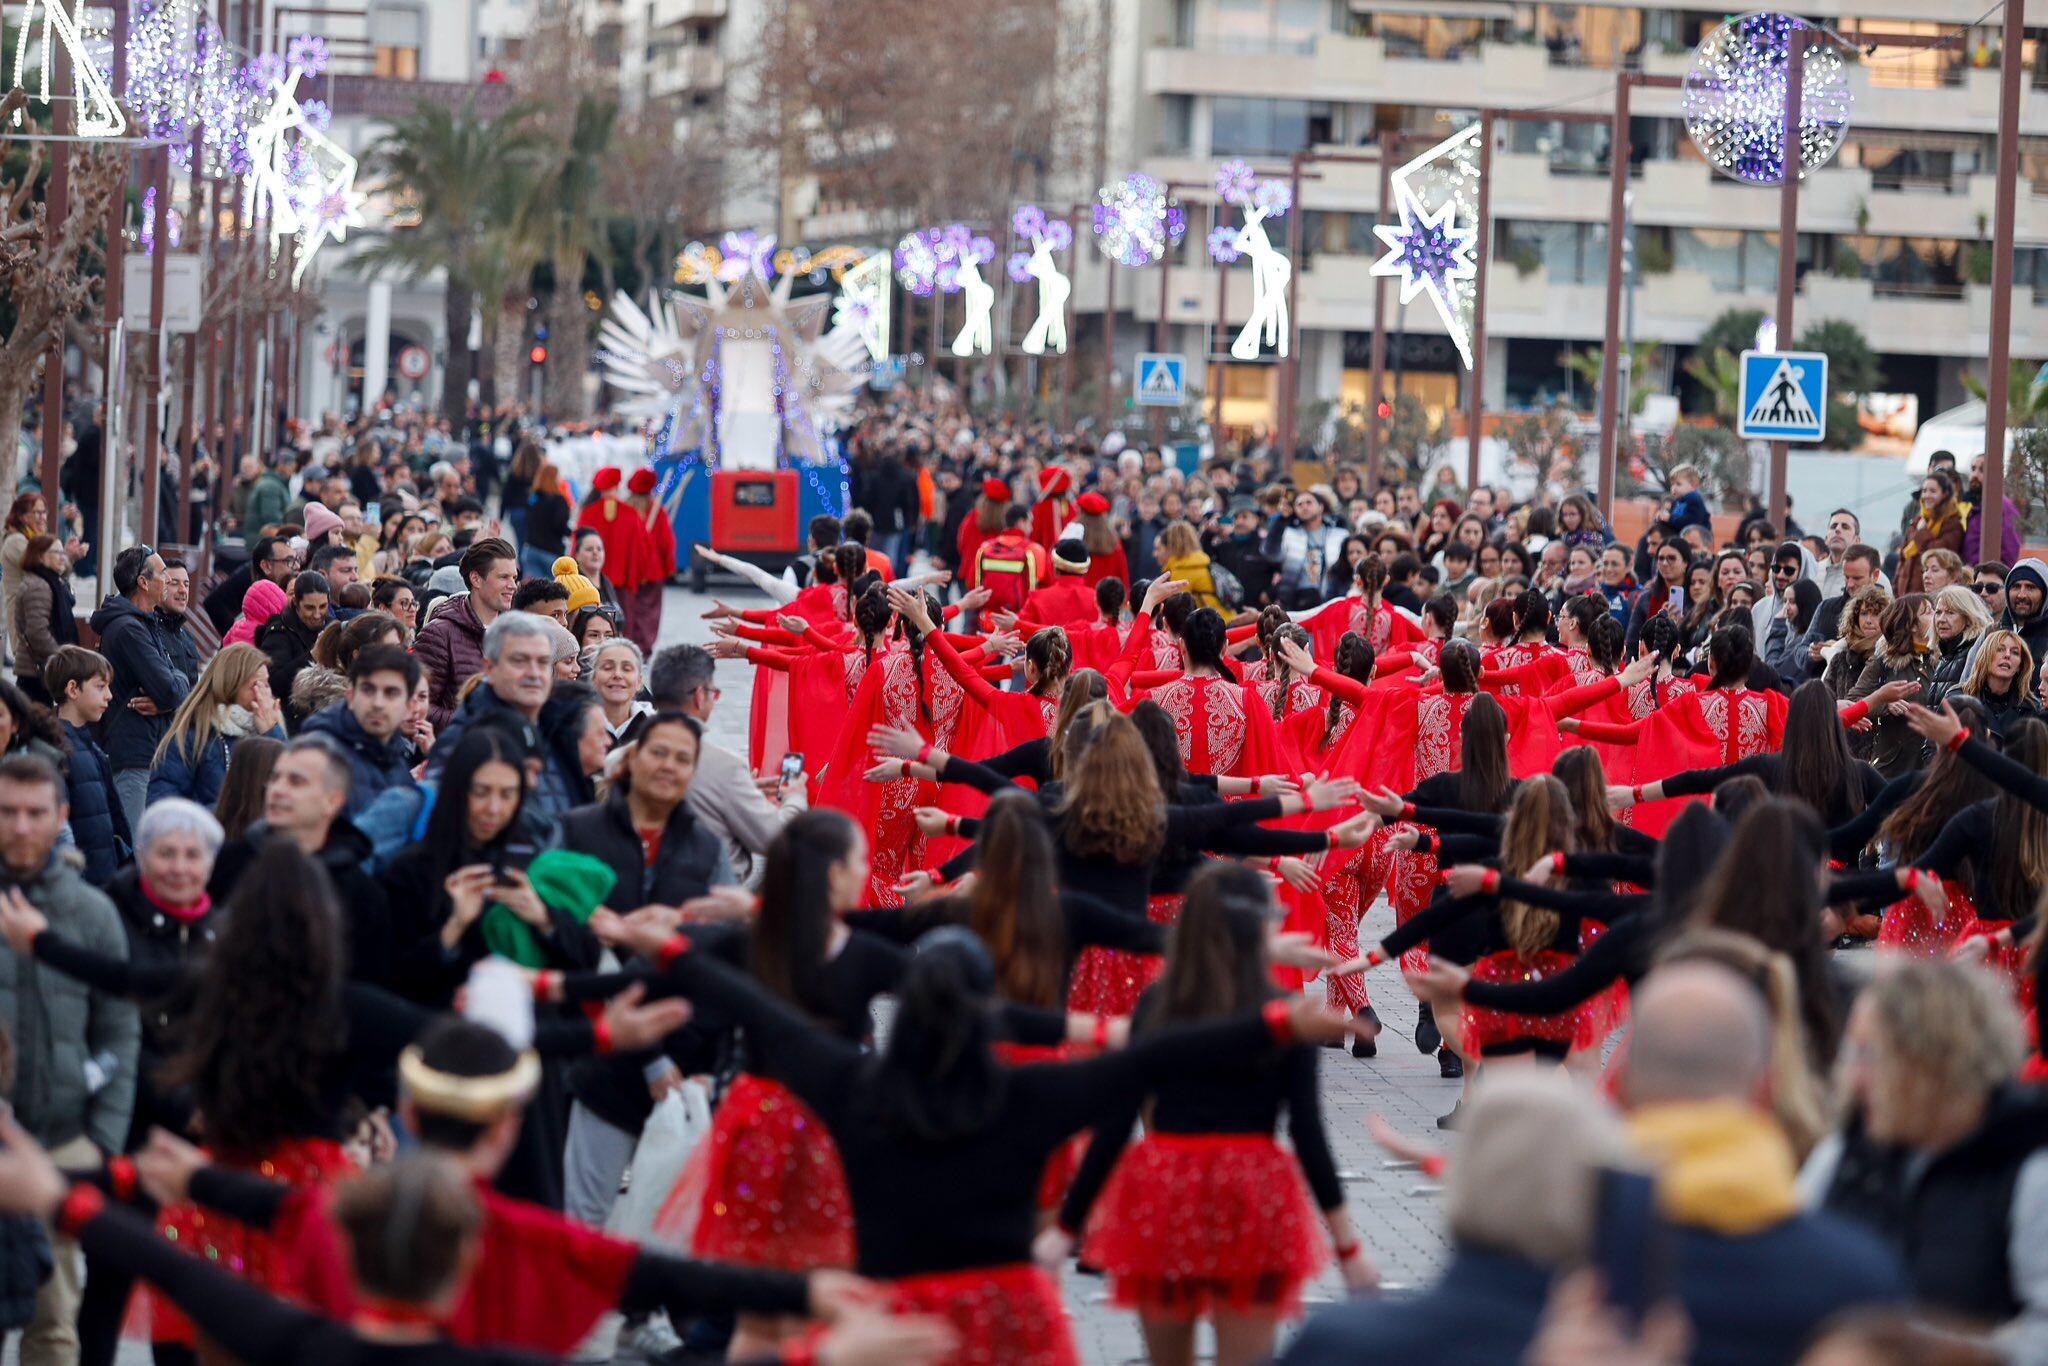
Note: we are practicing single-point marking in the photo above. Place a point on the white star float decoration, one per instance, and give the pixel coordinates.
(98, 113)
(1430, 249)
(307, 181)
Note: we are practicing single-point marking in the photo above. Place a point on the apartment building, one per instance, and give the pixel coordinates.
(1891, 232)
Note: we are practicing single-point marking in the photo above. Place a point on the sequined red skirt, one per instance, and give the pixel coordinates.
(1189, 1224)
(2009, 963)
(1065, 1159)
(1498, 1030)
(1002, 1315)
(271, 1260)
(1910, 927)
(1110, 981)
(1604, 1013)
(765, 1187)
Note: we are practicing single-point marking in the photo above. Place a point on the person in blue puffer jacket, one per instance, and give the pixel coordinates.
(368, 724)
(82, 681)
(230, 702)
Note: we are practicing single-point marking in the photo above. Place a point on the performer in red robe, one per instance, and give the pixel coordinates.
(1069, 600)
(1054, 509)
(645, 606)
(630, 557)
(1106, 558)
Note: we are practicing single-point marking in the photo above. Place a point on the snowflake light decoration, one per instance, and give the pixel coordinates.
(1223, 245)
(1431, 248)
(918, 260)
(1234, 182)
(745, 253)
(1735, 98)
(1136, 220)
(1028, 221)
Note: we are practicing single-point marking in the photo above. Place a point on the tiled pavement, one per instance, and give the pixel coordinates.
(1400, 1223)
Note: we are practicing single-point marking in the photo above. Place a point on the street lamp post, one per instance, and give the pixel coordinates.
(1995, 383)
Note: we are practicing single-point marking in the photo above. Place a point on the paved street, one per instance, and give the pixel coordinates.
(1400, 1223)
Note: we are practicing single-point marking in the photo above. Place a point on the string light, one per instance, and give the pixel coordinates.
(1136, 220)
(1735, 98)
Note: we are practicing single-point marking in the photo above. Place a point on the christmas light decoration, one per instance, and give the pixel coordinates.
(1223, 245)
(1136, 220)
(1431, 248)
(304, 179)
(1047, 236)
(1260, 200)
(1234, 182)
(97, 113)
(977, 333)
(1735, 97)
(864, 303)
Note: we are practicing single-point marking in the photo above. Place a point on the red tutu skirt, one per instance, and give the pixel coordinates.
(1604, 1013)
(1066, 1159)
(764, 1188)
(275, 1260)
(1003, 1315)
(1909, 926)
(1485, 1029)
(1190, 1224)
(2009, 963)
(1110, 981)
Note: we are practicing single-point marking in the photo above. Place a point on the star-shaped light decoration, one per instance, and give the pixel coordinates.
(305, 179)
(1432, 248)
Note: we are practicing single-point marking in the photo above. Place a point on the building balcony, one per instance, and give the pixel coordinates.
(376, 97)
(686, 72)
(662, 13)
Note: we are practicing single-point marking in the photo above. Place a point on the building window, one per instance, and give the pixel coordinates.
(1268, 25)
(1241, 127)
(395, 36)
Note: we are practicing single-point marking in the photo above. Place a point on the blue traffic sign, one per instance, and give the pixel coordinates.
(1784, 396)
(1160, 380)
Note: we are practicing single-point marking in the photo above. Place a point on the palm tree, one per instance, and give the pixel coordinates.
(571, 217)
(501, 276)
(1642, 381)
(1719, 372)
(452, 167)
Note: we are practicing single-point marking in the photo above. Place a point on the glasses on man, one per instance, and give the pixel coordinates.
(1785, 570)
(1986, 590)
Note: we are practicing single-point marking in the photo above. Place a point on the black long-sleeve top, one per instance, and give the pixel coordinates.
(923, 1206)
(1089, 924)
(380, 1025)
(1849, 838)
(1860, 787)
(657, 1281)
(1623, 953)
(1972, 836)
(866, 966)
(2010, 774)
(1236, 1096)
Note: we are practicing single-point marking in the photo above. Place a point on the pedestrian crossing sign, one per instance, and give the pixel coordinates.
(1161, 380)
(1784, 396)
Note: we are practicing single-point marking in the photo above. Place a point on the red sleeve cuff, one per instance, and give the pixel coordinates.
(121, 1178)
(1279, 1020)
(676, 947)
(1957, 743)
(601, 1033)
(82, 1204)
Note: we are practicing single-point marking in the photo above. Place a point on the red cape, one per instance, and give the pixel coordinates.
(630, 556)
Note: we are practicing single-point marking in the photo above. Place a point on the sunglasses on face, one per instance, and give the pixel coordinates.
(1985, 590)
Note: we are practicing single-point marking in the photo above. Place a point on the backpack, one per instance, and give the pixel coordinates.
(1006, 567)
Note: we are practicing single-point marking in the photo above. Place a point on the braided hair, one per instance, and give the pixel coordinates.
(1355, 660)
(1109, 598)
(1052, 654)
(1279, 673)
(1204, 638)
(871, 618)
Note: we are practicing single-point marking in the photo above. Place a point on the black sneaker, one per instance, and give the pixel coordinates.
(1451, 1120)
(1449, 1065)
(1428, 1038)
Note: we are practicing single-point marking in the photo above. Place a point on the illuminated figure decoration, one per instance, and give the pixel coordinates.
(977, 334)
(306, 180)
(1431, 248)
(98, 113)
(747, 376)
(1735, 97)
(864, 303)
(1136, 220)
(1260, 200)
(1046, 236)
(737, 254)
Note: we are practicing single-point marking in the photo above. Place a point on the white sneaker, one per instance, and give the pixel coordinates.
(651, 1339)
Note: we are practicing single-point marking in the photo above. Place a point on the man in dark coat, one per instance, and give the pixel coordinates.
(366, 725)
(147, 684)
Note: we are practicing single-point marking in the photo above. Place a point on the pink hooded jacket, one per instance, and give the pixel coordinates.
(263, 601)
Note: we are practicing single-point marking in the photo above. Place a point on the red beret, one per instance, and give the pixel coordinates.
(1094, 504)
(995, 490)
(605, 479)
(641, 482)
(1054, 481)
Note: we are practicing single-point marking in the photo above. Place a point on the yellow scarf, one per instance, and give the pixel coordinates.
(1721, 1166)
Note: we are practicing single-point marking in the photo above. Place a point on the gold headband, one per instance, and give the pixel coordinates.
(477, 1100)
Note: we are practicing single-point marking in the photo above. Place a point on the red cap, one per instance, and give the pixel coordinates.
(605, 479)
(1054, 481)
(995, 490)
(1094, 504)
(641, 482)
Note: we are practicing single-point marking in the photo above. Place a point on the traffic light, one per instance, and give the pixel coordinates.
(1386, 409)
(539, 355)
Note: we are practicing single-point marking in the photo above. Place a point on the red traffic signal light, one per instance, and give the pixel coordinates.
(1386, 409)
(539, 355)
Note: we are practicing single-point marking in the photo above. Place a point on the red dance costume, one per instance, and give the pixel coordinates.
(1109, 981)
(1002, 1316)
(765, 1188)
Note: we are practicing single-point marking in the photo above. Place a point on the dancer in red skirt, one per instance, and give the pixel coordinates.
(1208, 1217)
(943, 1146)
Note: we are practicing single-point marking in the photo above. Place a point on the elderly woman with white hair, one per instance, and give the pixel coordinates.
(616, 668)
(169, 920)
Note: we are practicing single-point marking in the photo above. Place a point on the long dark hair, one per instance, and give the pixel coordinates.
(2019, 845)
(793, 930)
(1216, 955)
(1767, 885)
(916, 641)
(1109, 597)
(871, 619)
(1460, 665)
(1278, 672)
(240, 803)
(938, 1079)
(1731, 652)
(1947, 785)
(1585, 783)
(1015, 905)
(265, 1024)
(1355, 660)
(1204, 639)
(1815, 764)
(447, 839)
(1483, 776)
(1162, 742)
(1532, 613)
(31, 721)
(1604, 641)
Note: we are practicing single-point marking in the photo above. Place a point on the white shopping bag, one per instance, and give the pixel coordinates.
(679, 1123)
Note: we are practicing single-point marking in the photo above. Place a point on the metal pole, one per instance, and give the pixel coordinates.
(1610, 351)
(1219, 369)
(57, 199)
(1108, 356)
(1377, 394)
(1159, 338)
(1626, 360)
(1788, 241)
(1289, 385)
(1476, 400)
(2009, 76)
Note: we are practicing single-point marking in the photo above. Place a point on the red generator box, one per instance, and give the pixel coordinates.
(755, 512)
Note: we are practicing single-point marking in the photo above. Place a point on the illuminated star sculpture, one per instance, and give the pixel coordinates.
(98, 113)
(1431, 249)
(864, 303)
(304, 179)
